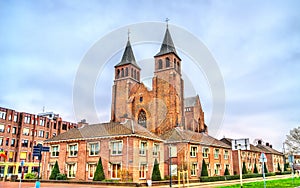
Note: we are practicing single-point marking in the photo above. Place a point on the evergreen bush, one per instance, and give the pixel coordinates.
(99, 173)
(255, 171)
(204, 171)
(244, 170)
(54, 171)
(156, 172)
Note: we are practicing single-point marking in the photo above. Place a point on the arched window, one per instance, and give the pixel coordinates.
(142, 119)
(178, 67)
(122, 72)
(167, 62)
(134, 74)
(174, 63)
(131, 72)
(126, 71)
(118, 74)
(159, 64)
(138, 75)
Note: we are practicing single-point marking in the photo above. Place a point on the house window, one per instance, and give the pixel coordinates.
(14, 130)
(216, 153)
(7, 142)
(27, 119)
(225, 154)
(217, 169)
(2, 115)
(13, 141)
(91, 170)
(73, 150)
(155, 149)
(143, 147)
(26, 131)
(71, 170)
(1, 141)
(194, 169)
(142, 118)
(23, 155)
(94, 148)
(47, 135)
(116, 147)
(193, 152)
(64, 126)
(143, 170)
(8, 129)
(42, 122)
(54, 151)
(1, 128)
(24, 143)
(41, 133)
(15, 118)
(116, 171)
(205, 152)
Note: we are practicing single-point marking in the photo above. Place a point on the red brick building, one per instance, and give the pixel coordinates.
(20, 131)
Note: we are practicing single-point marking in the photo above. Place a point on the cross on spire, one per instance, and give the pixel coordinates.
(167, 21)
(128, 33)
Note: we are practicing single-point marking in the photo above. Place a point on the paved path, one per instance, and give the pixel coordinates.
(63, 185)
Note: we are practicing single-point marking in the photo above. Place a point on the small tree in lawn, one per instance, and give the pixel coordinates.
(99, 173)
(204, 171)
(278, 167)
(156, 172)
(244, 170)
(285, 166)
(226, 173)
(54, 171)
(255, 171)
(265, 168)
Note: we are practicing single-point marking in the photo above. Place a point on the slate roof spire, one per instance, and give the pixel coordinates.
(167, 45)
(128, 56)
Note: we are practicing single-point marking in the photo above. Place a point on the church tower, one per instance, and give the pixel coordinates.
(168, 85)
(127, 74)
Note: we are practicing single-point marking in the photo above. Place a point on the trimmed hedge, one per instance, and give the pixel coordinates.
(234, 177)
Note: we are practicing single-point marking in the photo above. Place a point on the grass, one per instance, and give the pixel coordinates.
(289, 182)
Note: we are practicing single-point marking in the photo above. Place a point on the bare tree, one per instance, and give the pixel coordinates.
(292, 141)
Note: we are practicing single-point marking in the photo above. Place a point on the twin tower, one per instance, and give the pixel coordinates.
(161, 108)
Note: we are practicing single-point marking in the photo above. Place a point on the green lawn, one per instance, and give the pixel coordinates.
(272, 183)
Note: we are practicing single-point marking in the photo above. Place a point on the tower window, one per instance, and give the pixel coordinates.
(142, 119)
(126, 71)
(174, 63)
(134, 74)
(138, 75)
(167, 62)
(160, 64)
(141, 99)
(118, 73)
(122, 72)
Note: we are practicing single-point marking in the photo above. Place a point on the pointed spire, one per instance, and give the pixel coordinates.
(128, 56)
(167, 45)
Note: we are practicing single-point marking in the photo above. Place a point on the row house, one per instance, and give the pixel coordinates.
(252, 157)
(186, 149)
(127, 150)
(20, 131)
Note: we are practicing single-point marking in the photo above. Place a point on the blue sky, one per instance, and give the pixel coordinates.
(255, 43)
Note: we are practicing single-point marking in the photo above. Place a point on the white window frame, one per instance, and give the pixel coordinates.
(93, 150)
(143, 148)
(2, 128)
(155, 149)
(145, 165)
(205, 152)
(119, 149)
(216, 154)
(111, 170)
(217, 170)
(194, 150)
(194, 168)
(56, 152)
(226, 154)
(72, 152)
(74, 170)
(89, 165)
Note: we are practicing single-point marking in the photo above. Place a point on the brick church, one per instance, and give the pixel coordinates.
(146, 125)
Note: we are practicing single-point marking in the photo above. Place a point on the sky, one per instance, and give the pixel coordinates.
(256, 45)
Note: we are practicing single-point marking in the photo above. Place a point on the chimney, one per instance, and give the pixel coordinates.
(271, 146)
(82, 123)
(259, 142)
(267, 144)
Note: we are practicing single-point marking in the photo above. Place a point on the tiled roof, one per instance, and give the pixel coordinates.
(179, 135)
(191, 101)
(104, 130)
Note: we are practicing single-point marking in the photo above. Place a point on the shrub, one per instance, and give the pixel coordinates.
(61, 177)
(265, 168)
(54, 172)
(234, 177)
(99, 173)
(226, 173)
(278, 167)
(204, 171)
(255, 171)
(30, 176)
(244, 170)
(156, 172)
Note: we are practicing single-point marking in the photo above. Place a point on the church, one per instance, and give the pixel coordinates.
(147, 125)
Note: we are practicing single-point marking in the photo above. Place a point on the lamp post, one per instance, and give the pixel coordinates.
(240, 165)
(170, 158)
